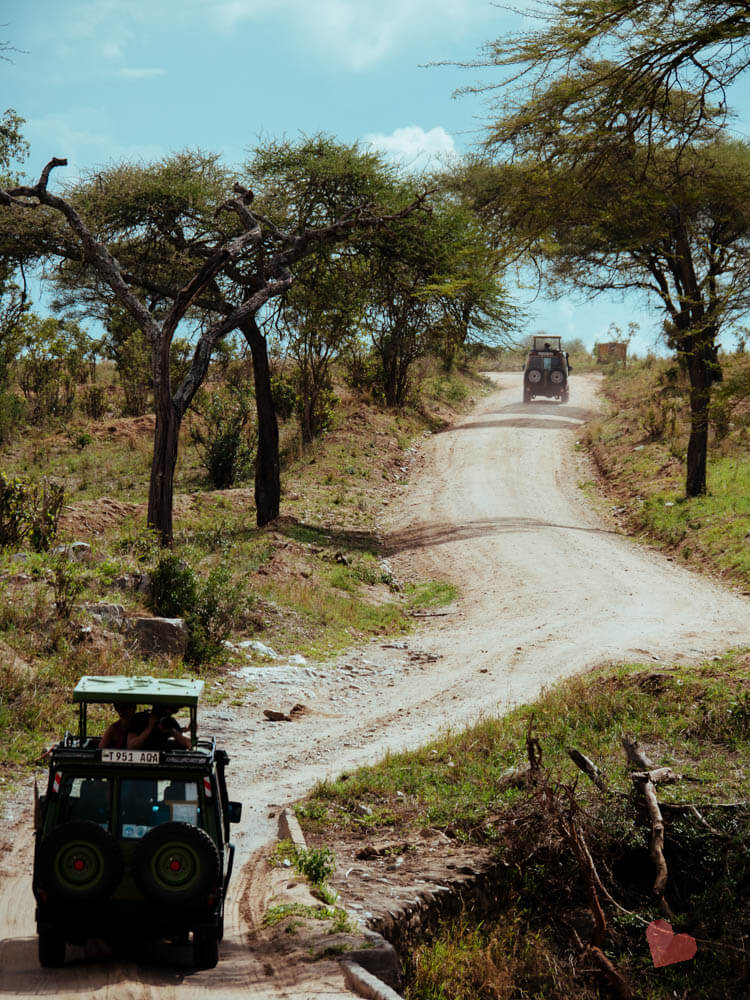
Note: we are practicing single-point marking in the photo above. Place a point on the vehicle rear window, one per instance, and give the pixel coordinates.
(148, 802)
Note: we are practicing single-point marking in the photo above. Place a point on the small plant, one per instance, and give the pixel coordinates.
(68, 582)
(315, 863)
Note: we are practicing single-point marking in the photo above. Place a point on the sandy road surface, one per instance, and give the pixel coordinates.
(547, 590)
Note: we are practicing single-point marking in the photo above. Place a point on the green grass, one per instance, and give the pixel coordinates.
(694, 719)
(640, 446)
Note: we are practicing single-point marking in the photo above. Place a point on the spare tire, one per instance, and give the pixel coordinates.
(176, 863)
(533, 375)
(79, 862)
(556, 376)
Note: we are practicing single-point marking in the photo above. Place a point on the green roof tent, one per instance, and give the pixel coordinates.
(140, 691)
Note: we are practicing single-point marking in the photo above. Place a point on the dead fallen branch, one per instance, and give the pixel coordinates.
(637, 756)
(621, 988)
(589, 768)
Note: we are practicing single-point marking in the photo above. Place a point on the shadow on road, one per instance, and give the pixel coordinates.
(537, 416)
(429, 535)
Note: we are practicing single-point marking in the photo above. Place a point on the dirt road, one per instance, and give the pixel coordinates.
(547, 589)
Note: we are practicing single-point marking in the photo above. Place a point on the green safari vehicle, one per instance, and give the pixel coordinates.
(133, 843)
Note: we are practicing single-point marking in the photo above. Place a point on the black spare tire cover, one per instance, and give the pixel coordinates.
(79, 861)
(176, 863)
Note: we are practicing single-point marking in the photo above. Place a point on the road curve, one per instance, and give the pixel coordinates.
(547, 590)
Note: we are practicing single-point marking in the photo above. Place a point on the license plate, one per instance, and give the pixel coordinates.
(130, 756)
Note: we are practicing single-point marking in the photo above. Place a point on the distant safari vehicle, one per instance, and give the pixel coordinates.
(546, 370)
(134, 843)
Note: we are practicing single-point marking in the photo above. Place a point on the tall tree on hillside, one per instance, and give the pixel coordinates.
(605, 211)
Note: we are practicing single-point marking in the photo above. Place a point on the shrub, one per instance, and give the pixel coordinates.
(315, 863)
(284, 395)
(95, 400)
(29, 512)
(210, 607)
(217, 608)
(174, 587)
(12, 413)
(134, 369)
(223, 437)
(67, 581)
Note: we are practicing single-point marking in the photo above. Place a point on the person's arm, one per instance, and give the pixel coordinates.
(136, 740)
(108, 736)
(181, 738)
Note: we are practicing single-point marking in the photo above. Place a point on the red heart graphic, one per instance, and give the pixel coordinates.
(667, 947)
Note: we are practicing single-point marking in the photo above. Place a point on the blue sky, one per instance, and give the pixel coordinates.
(101, 81)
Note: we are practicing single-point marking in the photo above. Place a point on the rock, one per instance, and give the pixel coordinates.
(112, 615)
(159, 635)
(76, 551)
(273, 716)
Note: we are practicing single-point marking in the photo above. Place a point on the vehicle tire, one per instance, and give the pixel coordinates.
(533, 375)
(79, 862)
(556, 377)
(205, 947)
(526, 396)
(51, 948)
(176, 863)
(565, 396)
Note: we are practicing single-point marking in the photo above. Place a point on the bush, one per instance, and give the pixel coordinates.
(210, 607)
(134, 369)
(12, 413)
(218, 606)
(284, 395)
(174, 587)
(29, 512)
(95, 400)
(224, 438)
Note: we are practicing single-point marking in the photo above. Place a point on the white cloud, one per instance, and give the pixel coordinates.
(357, 34)
(86, 137)
(414, 148)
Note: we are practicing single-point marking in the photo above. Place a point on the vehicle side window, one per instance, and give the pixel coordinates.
(148, 802)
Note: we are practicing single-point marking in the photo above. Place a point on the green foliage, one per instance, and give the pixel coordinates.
(284, 395)
(53, 359)
(174, 587)
(224, 435)
(29, 512)
(12, 415)
(317, 864)
(68, 583)
(219, 604)
(211, 606)
(134, 369)
(95, 401)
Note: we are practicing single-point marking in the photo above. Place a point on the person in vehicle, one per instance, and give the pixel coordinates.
(115, 736)
(153, 730)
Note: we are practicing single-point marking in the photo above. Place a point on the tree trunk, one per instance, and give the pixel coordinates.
(267, 463)
(166, 439)
(700, 370)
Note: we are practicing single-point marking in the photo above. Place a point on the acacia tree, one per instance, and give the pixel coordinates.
(653, 47)
(605, 211)
(170, 256)
(170, 406)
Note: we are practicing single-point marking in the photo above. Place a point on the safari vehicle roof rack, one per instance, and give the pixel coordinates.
(180, 692)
